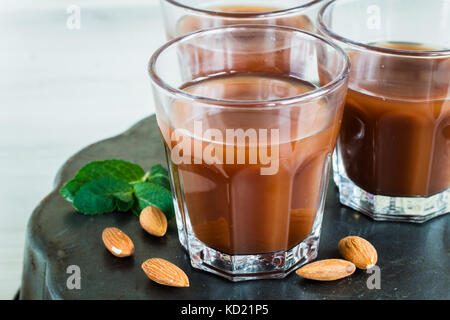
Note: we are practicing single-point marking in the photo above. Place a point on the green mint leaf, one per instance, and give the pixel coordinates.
(103, 195)
(151, 194)
(126, 171)
(135, 209)
(159, 169)
(69, 189)
(159, 175)
(124, 206)
(160, 179)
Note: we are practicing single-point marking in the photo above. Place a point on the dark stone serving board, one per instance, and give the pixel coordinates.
(414, 259)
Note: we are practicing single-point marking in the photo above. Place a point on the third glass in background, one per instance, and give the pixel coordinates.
(392, 160)
(186, 16)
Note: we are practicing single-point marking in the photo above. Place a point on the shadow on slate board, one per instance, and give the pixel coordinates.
(414, 259)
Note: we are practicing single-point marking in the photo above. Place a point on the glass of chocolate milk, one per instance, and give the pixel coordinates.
(392, 160)
(186, 16)
(249, 116)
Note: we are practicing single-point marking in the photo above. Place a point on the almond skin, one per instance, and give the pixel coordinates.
(153, 221)
(327, 270)
(117, 242)
(359, 251)
(164, 272)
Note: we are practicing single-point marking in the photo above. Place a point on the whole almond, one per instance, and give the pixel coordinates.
(153, 221)
(359, 251)
(165, 273)
(327, 270)
(117, 242)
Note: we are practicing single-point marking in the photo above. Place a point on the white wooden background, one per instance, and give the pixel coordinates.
(61, 90)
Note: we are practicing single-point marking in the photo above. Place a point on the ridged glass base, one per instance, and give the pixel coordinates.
(250, 267)
(385, 208)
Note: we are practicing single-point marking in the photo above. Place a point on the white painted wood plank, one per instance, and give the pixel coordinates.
(61, 90)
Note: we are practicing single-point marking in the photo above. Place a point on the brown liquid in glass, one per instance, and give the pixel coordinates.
(395, 136)
(232, 207)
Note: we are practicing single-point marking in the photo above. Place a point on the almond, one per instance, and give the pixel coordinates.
(327, 270)
(359, 251)
(153, 221)
(164, 272)
(117, 242)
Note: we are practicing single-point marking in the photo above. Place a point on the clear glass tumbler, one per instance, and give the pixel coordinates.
(249, 117)
(185, 16)
(392, 160)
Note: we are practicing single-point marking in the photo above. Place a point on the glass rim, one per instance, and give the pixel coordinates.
(264, 14)
(323, 27)
(265, 104)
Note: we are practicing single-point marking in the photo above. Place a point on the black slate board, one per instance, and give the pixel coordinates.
(414, 259)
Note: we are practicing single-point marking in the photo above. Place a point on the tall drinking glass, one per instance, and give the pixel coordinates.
(186, 16)
(248, 139)
(392, 160)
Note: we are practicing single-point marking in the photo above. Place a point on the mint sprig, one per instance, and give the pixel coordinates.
(122, 170)
(116, 185)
